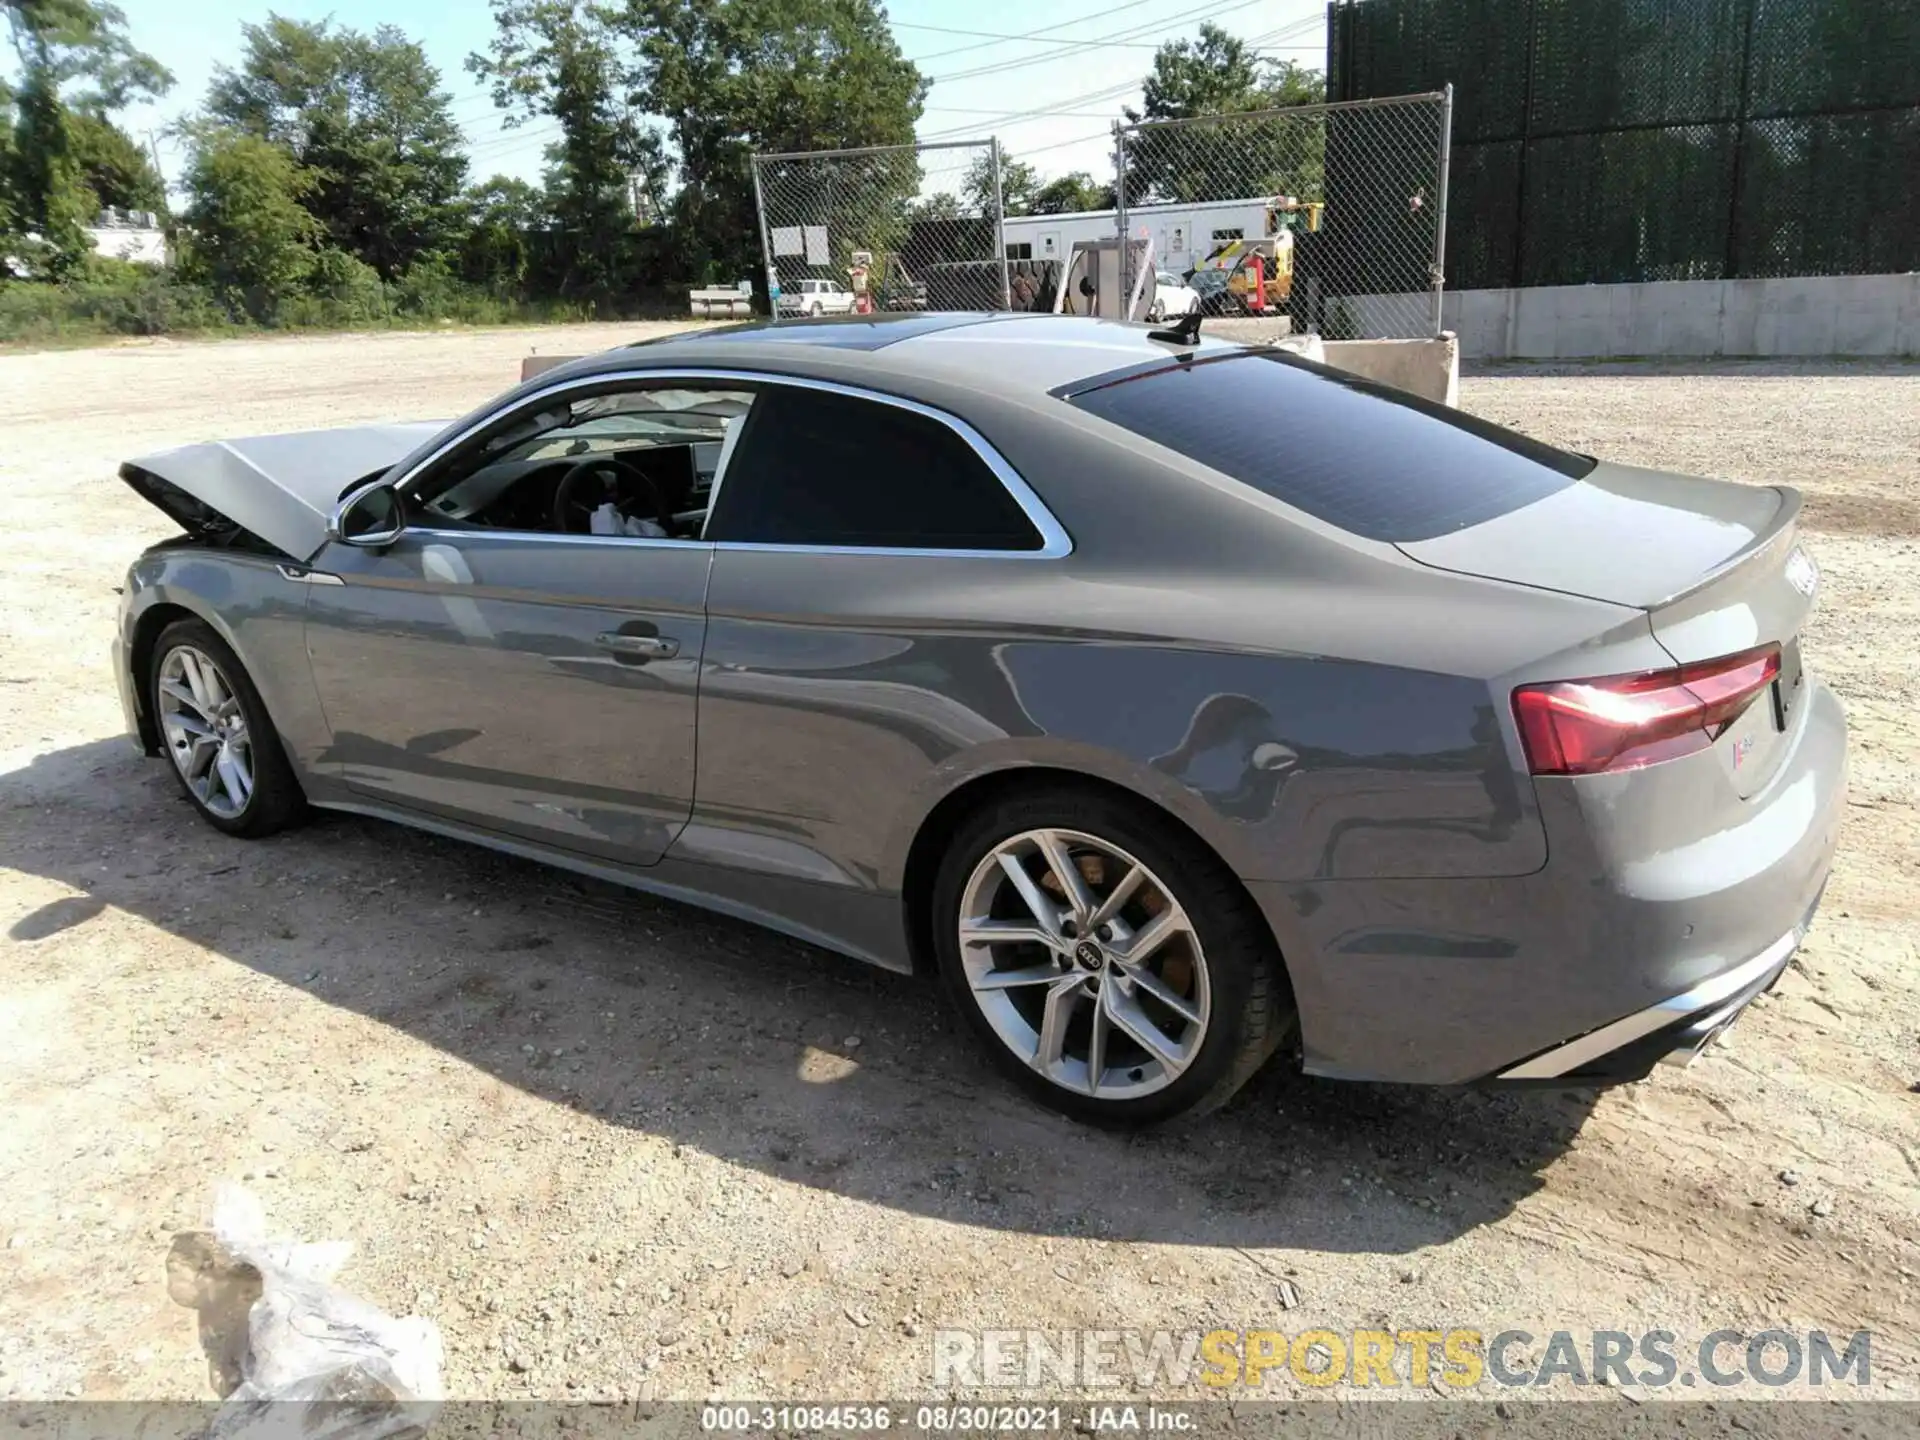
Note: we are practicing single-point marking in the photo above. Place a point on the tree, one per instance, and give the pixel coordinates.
(71, 54)
(1220, 74)
(50, 200)
(1019, 183)
(8, 224)
(1072, 192)
(729, 77)
(563, 58)
(941, 205)
(501, 213)
(113, 165)
(248, 232)
(365, 116)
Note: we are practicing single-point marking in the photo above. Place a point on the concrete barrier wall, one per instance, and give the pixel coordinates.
(1427, 368)
(1682, 319)
(532, 365)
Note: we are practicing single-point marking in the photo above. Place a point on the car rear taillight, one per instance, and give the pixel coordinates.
(1621, 722)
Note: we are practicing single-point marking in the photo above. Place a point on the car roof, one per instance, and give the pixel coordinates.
(1006, 352)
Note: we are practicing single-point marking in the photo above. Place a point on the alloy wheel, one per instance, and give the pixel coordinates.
(205, 730)
(1084, 964)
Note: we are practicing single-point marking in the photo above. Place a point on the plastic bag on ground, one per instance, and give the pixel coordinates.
(291, 1352)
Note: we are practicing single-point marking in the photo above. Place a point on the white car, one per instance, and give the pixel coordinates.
(816, 297)
(1171, 296)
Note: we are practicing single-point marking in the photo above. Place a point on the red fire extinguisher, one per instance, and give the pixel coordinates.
(1257, 291)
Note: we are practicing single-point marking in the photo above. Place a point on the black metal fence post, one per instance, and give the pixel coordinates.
(1740, 121)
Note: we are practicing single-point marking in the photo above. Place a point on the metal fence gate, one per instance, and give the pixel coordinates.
(1339, 210)
(1341, 207)
(893, 227)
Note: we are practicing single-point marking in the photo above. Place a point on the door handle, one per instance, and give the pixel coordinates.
(645, 647)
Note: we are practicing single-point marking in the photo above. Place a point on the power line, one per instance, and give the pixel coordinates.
(1060, 144)
(1009, 118)
(1043, 30)
(1202, 12)
(964, 110)
(1002, 35)
(1015, 117)
(513, 138)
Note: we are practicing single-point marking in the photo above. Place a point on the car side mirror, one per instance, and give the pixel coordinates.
(371, 517)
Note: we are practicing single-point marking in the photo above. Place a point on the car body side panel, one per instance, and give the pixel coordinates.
(254, 606)
(827, 732)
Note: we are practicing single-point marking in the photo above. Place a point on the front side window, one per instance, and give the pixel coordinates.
(636, 460)
(819, 468)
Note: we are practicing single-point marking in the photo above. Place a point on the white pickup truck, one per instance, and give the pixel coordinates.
(816, 297)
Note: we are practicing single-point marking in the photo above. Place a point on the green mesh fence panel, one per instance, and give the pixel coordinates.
(1482, 216)
(1635, 62)
(1630, 205)
(1403, 47)
(1822, 56)
(1830, 195)
(1621, 140)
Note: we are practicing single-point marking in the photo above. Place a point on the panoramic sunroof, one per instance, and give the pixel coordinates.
(839, 332)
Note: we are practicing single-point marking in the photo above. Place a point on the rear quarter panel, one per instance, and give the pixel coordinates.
(829, 732)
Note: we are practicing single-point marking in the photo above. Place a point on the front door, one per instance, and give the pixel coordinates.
(539, 686)
(526, 656)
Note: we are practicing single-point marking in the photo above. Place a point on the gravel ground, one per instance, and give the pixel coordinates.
(617, 1147)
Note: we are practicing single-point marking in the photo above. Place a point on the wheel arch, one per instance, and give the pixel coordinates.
(146, 634)
(939, 825)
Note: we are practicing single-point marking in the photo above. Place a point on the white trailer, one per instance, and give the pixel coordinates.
(1182, 235)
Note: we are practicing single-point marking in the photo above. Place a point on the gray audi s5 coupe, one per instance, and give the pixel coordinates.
(1175, 702)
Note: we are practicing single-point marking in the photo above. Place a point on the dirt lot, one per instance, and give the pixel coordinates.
(619, 1148)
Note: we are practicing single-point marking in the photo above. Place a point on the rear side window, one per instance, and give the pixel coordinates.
(1371, 459)
(817, 468)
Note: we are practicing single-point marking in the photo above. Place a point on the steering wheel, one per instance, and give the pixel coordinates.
(575, 499)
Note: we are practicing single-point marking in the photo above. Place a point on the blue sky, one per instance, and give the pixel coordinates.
(1082, 85)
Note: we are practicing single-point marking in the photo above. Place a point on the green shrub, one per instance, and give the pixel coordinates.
(340, 290)
(108, 297)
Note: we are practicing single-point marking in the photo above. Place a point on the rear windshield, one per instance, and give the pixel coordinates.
(1371, 459)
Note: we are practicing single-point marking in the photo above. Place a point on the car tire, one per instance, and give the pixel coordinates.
(814, 310)
(1156, 312)
(1219, 961)
(251, 749)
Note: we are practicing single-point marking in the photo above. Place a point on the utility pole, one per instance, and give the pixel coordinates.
(153, 145)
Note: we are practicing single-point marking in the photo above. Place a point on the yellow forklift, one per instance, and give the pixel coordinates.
(1258, 272)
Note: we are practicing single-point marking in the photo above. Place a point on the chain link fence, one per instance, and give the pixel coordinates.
(1331, 215)
(892, 227)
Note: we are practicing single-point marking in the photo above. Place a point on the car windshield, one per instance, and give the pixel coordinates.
(1208, 280)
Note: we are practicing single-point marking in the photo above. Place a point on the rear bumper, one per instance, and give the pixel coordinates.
(1671, 1032)
(1626, 946)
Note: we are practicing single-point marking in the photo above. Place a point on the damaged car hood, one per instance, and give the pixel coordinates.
(279, 488)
